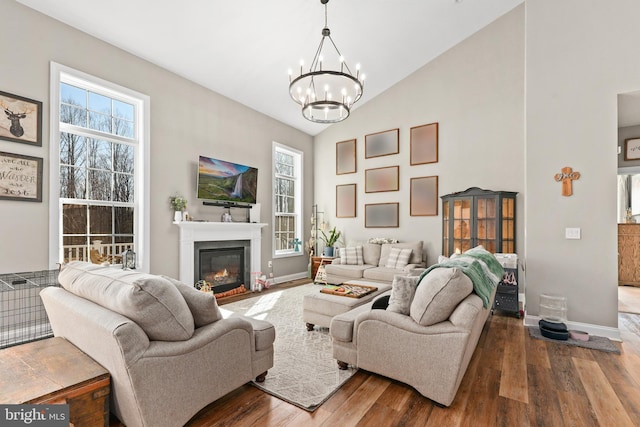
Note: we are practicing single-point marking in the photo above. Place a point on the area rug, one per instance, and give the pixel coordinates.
(594, 343)
(305, 373)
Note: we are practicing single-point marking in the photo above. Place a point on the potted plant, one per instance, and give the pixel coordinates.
(178, 203)
(329, 241)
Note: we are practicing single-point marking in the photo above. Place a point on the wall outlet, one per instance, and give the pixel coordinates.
(572, 233)
(270, 264)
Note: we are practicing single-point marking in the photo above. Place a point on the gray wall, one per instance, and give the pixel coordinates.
(578, 61)
(475, 91)
(186, 120)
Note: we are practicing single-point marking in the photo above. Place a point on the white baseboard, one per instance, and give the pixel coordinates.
(288, 278)
(601, 331)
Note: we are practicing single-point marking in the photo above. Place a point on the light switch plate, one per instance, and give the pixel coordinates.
(572, 233)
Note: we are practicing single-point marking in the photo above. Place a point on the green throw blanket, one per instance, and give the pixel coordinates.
(480, 266)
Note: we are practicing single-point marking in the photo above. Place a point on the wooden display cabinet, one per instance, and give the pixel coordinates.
(479, 217)
(629, 254)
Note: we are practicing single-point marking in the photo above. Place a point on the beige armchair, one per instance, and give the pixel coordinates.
(166, 345)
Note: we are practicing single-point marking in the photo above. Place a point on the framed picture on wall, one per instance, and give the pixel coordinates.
(20, 119)
(20, 177)
(381, 143)
(424, 196)
(346, 201)
(382, 179)
(381, 215)
(346, 157)
(424, 144)
(632, 149)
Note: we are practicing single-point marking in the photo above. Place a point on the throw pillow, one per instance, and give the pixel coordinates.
(203, 305)
(150, 301)
(398, 258)
(403, 289)
(438, 294)
(351, 255)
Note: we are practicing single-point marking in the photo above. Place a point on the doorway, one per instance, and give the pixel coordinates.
(628, 204)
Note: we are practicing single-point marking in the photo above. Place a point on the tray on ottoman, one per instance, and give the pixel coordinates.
(346, 290)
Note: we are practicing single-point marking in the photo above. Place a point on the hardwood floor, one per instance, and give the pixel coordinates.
(512, 380)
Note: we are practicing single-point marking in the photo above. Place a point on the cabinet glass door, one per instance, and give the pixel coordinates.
(508, 225)
(445, 228)
(461, 225)
(486, 223)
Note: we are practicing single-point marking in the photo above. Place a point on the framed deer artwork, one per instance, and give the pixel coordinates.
(20, 119)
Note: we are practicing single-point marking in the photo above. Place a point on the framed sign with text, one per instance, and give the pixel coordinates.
(20, 177)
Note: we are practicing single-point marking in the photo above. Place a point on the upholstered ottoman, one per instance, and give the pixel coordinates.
(319, 308)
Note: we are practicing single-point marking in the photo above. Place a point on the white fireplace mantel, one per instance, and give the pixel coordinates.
(196, 231)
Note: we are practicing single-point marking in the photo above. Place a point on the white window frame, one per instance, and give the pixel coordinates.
(58, 74)
(298, 162)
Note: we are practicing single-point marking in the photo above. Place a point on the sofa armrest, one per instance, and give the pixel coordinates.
(410, 267)
(405, 323)
(201, 337)
(336, 261)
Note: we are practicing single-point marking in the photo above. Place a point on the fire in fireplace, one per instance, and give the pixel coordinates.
(224, 265)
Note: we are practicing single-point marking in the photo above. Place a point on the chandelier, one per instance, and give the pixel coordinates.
(326, 95)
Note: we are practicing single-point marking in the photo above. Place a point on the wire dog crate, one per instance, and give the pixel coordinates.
(22, 315)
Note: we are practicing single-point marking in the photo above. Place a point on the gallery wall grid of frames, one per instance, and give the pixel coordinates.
(20, 174)
(423, 199)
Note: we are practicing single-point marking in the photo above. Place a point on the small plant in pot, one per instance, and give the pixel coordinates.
(329, 241)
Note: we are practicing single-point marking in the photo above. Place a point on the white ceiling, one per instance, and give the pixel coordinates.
(243, 49)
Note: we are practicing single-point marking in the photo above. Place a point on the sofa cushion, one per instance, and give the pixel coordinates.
(371, 253)
(203, 305)
(349, 271)
(398, 258)
(382, 274)
(438, 294)
(153, 302)
(351, 255)
(416, 252)
(403, 289)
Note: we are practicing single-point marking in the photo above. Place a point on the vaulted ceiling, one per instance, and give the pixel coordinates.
(243, 49)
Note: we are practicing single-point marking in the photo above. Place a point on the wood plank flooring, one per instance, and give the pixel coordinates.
(512, 380)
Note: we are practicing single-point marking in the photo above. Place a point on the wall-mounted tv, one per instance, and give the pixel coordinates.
(226, 182)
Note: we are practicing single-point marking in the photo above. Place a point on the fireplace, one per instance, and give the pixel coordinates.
(193, 232)
(225, 265)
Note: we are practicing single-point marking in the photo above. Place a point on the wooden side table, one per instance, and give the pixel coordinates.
(54, 371)
(315, 263)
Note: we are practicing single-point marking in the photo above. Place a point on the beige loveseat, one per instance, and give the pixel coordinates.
(374, 263)
(428, 339)
(165, 344)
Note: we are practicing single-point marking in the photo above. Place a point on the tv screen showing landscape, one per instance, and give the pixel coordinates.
(225, 181)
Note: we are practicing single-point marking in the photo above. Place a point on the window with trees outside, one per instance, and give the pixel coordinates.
(98, 147)
(287, 183)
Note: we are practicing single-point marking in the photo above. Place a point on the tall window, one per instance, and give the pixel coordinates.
(97, 170)
(287, 184)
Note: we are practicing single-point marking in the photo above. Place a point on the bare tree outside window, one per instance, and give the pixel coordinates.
(97, 183)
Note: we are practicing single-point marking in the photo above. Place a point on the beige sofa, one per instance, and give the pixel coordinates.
(165, 344)
(430, 344)
(374, 263)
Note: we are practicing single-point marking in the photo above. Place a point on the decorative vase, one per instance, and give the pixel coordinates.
(177, 216)
(628, 218)
(328, 251)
